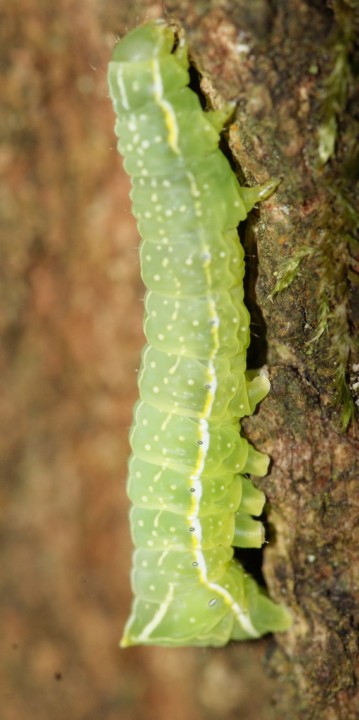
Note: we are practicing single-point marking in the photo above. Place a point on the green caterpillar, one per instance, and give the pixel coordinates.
(192, 502)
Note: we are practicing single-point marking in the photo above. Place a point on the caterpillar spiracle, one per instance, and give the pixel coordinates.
(192, 500)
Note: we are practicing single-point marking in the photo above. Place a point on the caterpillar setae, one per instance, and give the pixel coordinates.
(192, 501)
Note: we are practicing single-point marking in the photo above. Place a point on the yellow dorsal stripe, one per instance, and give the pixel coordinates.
(166, 107)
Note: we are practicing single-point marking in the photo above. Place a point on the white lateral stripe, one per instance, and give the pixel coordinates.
(158, 617)
(241, 616)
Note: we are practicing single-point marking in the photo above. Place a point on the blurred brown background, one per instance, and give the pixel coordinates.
(71, 323)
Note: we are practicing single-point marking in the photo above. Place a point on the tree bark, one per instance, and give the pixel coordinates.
(288, 66)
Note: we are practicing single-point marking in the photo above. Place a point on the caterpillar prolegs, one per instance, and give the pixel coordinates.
(192, 501)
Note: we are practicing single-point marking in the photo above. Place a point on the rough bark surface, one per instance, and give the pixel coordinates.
(71, 326)
(278, 78)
